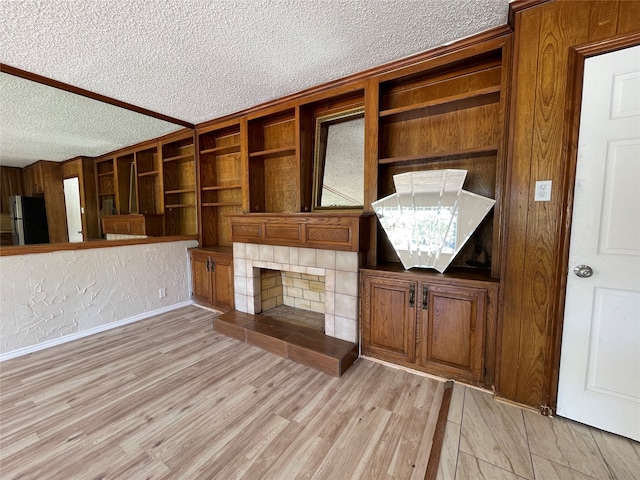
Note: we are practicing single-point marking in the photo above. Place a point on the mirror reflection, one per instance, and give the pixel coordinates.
(430, 217)
(339, 160)
(48, 148)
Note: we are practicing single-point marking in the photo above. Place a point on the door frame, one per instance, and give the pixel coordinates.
(83, 217)
(80, 201)
(577, 56)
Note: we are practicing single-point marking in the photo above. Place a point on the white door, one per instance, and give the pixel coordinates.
(72, 206)
(600, 359)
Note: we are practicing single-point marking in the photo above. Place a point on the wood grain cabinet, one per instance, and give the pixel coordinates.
(33, 179)
(388, 318)
(10, 184)
(451, 330)
(212, 277)
(430, 322)
(133, 224)
(44, 179)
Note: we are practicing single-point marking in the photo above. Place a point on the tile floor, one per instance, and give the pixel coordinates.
(488, 439)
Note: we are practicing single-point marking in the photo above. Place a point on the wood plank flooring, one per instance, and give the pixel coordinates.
(168, 398)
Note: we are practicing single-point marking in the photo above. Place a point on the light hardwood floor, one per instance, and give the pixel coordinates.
(168, 398)
(488, 439)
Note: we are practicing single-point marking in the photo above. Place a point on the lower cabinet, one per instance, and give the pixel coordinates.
(388, 318)
(451, 331)
(440, 325)
(212, 277)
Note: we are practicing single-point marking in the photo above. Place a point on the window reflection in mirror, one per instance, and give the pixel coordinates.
(430, 217)
(339, 160)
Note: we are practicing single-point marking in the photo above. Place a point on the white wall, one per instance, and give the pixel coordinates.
(46, 296)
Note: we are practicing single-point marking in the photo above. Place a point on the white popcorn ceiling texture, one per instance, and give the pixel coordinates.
(71, 125)
(201, 59)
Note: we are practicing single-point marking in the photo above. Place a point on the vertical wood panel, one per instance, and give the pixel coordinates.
(560, 27)
(538, 139)
(604, 20)
(525, 69)
(503, 122)
(244, 160)
(371, 120)
(90, 199)
(629, 17)
(10, 184)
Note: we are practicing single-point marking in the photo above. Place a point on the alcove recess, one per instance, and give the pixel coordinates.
(278, 181)
(330, 104)
(449, 114)
(220, 172)
(149, 174)
(179, 177)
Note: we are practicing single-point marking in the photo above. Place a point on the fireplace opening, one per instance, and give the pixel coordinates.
(295, 298)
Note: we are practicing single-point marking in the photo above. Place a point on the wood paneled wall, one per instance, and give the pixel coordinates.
(10, 184)
(539, 137)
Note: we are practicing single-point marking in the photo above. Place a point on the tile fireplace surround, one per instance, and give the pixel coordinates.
(340, 270)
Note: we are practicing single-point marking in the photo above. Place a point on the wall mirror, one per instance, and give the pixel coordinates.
(339, 160)
(43, 119)
(430, 217)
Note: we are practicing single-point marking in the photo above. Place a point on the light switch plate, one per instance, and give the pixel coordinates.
(543, 191)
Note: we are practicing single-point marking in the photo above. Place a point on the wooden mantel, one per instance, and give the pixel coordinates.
(332, 231)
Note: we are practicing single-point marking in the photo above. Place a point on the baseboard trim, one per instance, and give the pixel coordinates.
(92, 331)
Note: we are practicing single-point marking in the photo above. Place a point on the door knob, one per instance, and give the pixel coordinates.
(583, 271)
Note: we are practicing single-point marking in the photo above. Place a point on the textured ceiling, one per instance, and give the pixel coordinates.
(70, 126)
(201, 59)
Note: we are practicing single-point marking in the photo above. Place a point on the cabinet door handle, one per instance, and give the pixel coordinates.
(213, 265)
(425, 297)
(412, 295)
(208, 264)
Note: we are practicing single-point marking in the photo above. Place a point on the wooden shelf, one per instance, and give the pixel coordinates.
(466, 153)
(182, 190)
(152, 173)
(222, 204)
(221, 187)
(463, 97)
(188, 156)
(273, 151)
(107, 194)
(105, 174)
(179, 205)
(223, 150)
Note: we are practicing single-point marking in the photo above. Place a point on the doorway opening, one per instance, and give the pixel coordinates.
(73, 209)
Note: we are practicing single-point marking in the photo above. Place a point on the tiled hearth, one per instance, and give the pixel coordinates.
(339, 269)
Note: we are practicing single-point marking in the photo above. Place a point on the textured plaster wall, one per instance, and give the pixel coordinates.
(51, 295)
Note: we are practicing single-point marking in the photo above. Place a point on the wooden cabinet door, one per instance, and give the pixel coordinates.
(201, 277)
(222, 290)
(10, 184)
(33, 179)
(389, 318)
(451, 331)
